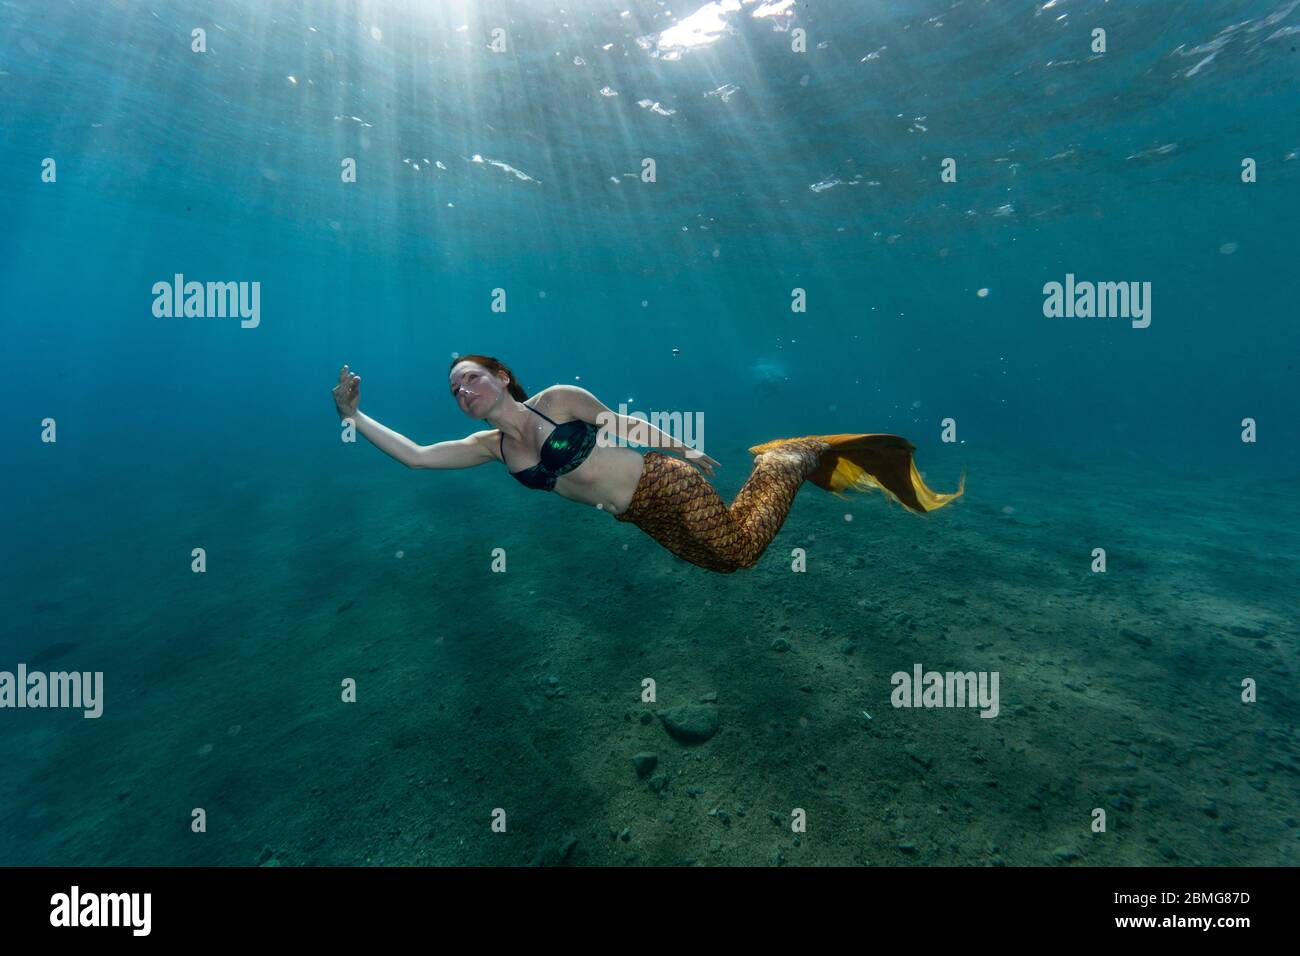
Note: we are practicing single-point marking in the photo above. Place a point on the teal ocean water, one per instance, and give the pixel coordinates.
(788, 218)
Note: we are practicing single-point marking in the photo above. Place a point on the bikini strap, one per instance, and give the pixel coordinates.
(543, 414)
(503, 434)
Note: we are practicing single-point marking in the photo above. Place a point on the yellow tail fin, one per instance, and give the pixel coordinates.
(866, 462)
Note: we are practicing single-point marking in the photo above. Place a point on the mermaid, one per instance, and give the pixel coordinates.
(660, 492)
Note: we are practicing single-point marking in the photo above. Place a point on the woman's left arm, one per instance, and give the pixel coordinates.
(583, 405)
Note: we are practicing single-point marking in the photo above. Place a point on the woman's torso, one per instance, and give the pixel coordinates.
(607, 477)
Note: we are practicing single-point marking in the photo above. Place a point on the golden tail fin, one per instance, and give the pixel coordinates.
(866, 462)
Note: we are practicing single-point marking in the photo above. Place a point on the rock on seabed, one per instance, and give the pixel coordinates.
(691, 723)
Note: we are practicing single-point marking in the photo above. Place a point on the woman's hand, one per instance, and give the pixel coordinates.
(347, 393)
(700, 461)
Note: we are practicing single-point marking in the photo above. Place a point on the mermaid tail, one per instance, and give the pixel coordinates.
(679, 508)
(867, 462)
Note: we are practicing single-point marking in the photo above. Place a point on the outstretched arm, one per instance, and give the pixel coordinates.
(460, 453)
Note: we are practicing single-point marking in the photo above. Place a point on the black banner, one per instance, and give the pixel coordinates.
(237, 904)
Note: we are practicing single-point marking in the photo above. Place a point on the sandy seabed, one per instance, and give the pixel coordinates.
(519, 695)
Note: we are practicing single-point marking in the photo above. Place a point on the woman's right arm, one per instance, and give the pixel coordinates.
(460, 453)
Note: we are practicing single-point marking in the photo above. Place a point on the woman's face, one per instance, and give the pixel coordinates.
(474, 388)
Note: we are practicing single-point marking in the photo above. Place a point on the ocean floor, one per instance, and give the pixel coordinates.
(523, 691)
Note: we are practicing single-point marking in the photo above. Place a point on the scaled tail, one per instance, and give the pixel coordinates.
(866, 462)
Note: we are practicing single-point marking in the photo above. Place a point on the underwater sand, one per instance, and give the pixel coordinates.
(1118, 690)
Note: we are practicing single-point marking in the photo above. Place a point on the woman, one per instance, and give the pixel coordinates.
(557, 430)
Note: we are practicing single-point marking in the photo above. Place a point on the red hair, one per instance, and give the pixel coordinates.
(494, 366)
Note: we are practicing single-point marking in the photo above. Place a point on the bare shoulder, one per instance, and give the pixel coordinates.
(567, 400)
(548, 394)
(551, 399)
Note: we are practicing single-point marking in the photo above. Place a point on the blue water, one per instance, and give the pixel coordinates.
(774, 171)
